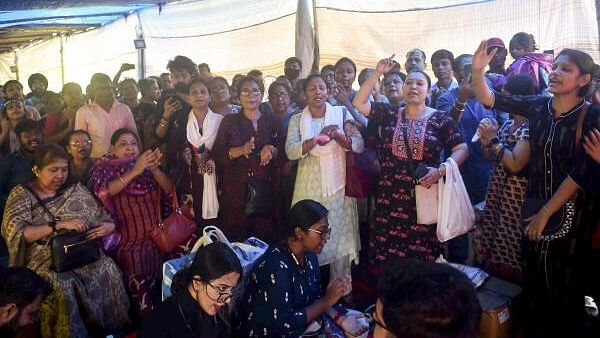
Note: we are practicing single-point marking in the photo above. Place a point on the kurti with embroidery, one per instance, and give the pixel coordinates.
(394, 231)
(343, 215)
(278, 293)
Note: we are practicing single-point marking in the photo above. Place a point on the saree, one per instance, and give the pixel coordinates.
(86, 301)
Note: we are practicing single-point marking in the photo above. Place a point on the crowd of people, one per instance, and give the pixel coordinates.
(112, 161)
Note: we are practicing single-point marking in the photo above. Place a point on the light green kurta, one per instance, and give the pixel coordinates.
(343, 216)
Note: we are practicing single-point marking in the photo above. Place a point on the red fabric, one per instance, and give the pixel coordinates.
(53, 124)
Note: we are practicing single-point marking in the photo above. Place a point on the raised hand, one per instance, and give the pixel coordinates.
(385, 65)
(75, 224)
(143, 162)
(482, 58)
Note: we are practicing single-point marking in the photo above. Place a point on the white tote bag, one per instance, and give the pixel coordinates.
(427, 201)
(455, 212)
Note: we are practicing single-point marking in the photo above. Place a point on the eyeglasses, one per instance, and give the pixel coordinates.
(325, 234)
(248, 92)
(281, 95)
(378, 323)
(81, 144)
(222, 294)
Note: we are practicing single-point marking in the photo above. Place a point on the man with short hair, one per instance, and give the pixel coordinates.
(292, 69)
(425, 299)
(15, 168)
(104, 115)
(166, 81)
(21, 294)
(147, 107)
(38, 84)
(441, 62)
(415, 60)
(129, 91)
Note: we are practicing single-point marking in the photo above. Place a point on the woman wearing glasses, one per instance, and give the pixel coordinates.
(198, 307)
(246, 146)
(79, 146)
(284, 292)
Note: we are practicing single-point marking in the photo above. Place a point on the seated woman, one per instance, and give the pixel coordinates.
(129, 184)
(79, 146)
(201, 294)
(89, 300)
(284, 292)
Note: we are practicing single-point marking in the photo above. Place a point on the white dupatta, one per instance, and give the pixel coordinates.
(331, 156)
(210, 126)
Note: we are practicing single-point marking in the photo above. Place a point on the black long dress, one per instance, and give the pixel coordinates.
(553, 291)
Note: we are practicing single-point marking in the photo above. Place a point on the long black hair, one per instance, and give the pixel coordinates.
(211, 262)
(302, 215)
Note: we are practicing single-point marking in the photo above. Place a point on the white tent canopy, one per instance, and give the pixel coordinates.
(235, 36)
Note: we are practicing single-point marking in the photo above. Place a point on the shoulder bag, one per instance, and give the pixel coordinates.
(70, 250)
(174, 230)
(561, 222)
(426, 200)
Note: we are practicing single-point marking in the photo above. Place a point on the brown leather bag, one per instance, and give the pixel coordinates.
(174, 230)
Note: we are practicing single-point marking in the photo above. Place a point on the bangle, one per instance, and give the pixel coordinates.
(440, 170)
(493, 99)
(546, 210)
(500, 153)
(122, 181)
(230, 155)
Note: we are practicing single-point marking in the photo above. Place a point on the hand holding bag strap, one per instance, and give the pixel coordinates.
(411, 164)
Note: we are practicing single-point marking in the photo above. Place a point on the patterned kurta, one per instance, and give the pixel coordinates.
(342, 216)
(501, 234)
(92, 296)
(394, 231)
(275, 301)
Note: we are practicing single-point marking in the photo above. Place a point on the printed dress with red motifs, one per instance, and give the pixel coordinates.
(394, 231)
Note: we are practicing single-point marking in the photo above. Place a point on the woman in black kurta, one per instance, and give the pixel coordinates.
(202, 292)
(552, 286)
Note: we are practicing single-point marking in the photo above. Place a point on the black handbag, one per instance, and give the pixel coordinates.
(258, 198)
(561, 222)
(70, 250)
(558, 225)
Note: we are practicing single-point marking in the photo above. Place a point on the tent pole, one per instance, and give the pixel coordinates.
(62, 58)
(316, 51)
(141, 52)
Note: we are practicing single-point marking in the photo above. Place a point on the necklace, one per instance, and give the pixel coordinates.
(300, 266)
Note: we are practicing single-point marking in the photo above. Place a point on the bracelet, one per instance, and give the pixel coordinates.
(493, 99)
(500, 154)
(122, 181)
(229, 154)
(546, 210)
(440, 170)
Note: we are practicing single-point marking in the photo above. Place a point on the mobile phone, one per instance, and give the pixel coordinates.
(420, 171)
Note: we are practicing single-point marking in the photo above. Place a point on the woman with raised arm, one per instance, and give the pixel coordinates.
(394, 229)
(557, 166)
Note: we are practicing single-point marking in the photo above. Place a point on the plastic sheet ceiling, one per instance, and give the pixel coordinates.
(23, 22)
